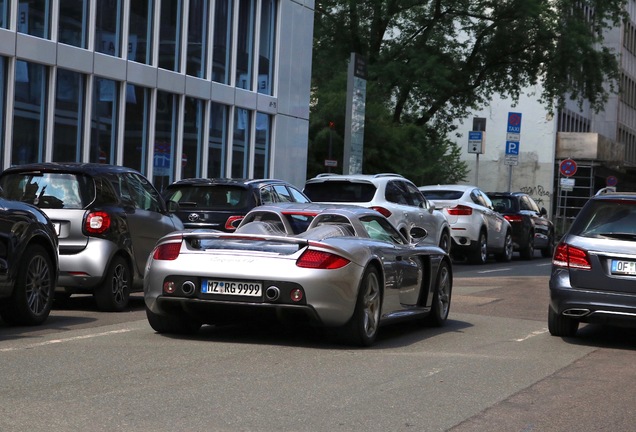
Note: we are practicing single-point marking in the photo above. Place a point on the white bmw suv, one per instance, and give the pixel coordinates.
(397, 198)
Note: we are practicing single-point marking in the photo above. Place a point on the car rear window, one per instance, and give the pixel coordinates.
(49, 190)
(442, 194)
(606, 218)
(340, 191)
(213, 197)
(504, 204)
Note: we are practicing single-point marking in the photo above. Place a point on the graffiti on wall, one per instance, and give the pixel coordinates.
(540, 194)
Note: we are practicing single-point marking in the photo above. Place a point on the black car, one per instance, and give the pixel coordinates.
(531, 228)
(593, 277)
(108, 219)
(28, 263)
(221, 203)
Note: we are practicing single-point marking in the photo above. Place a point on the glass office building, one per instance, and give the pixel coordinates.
(172, 88)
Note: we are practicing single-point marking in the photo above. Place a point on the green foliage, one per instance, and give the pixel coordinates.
(431, 62)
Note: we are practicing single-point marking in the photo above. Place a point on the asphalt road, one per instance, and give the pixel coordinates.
(493, 367)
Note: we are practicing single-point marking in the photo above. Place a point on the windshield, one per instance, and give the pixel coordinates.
(340, 191)
(215, 197)
(49, 190)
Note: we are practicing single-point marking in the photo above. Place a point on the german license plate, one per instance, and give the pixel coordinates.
(234, 288)
(624, 267)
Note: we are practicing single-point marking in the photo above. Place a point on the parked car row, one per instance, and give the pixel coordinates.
(96, 225)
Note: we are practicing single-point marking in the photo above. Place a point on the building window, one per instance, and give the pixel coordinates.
(262, 145)
(73, 28)
(222, 41)
(34, 18)
(108, 27)
(192, 138)
(170, 34)
(137, 119)
(104, 120)
(197, 38)
(4, 14)
(218, 139)
(29, 115)
(267, 42)
(165, 139)
(69, 111)
(245, 44)
(241, 142)
(140, 35)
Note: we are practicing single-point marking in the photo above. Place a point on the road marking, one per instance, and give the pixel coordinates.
(495, 270)
(56, 341)
(544, 264)
(533, 334)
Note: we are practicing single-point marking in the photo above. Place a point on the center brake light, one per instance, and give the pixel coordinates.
(321, 260)
(383, 211)
(167, 251)
(460, 210)
(571, 257)
(97, 222)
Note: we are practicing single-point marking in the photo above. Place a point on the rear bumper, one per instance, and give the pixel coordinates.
(592, 306)
(86, 269)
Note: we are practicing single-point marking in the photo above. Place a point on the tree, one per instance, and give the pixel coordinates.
(431, 62)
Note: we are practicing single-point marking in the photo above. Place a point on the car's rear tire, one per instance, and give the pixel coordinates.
(113, 294)
(560, 325)
(32, 297)
(362, 328)
(177, 324)
(548, 251)
(479, 255)
(527, 252)
(445, 242)
(441, 297)
(508, 249)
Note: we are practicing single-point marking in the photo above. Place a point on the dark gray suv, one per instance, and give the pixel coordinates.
(107, 218)
(593, 276)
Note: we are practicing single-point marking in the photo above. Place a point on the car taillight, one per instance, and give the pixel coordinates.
(513, 218)
(460, 210)
(97, 222)
(232, 222)
(321, 260)
(383, 211)
(167, 251)
(571, 257)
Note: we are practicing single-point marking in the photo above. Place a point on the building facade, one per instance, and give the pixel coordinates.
(602, 145)
(172, 88)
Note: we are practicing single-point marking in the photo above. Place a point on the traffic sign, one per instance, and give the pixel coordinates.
(476, 142)
(511, 160)
(514, 122)
(512, 148)
(567, 167)
(611, 181)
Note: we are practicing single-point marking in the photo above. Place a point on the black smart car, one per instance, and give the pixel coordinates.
(108, 219)
(28, 263)
(221, 203)
(531, 228)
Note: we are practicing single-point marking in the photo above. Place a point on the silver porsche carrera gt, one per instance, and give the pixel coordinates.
(343, 267)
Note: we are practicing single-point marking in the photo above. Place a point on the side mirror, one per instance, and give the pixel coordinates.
(418, 234)
(172, 206)
(543, 212)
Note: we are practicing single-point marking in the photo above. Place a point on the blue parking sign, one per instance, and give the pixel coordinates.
(512, 148)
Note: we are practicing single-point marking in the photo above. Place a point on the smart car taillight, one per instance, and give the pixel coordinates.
(460, 210)
(383, 211)
(97, 222)
(571, 257)
(321, 260)
(232, 222)
(167, 251)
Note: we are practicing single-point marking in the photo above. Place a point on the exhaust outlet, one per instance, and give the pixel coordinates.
(272, 293)
(188, 288)
(576, 313)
